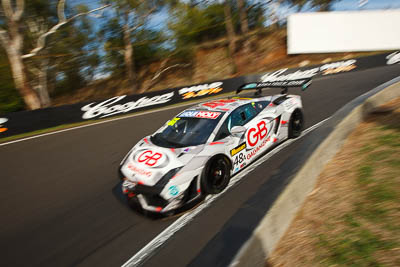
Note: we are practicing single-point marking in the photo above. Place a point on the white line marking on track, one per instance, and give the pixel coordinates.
(147, 251)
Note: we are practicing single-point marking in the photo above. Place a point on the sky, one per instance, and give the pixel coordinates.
(160, 20)
(346, 5)
(372, 4)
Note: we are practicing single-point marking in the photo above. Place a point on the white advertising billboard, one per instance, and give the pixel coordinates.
(328, 32)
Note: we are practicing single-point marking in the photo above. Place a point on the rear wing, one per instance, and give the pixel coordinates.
(285, 84)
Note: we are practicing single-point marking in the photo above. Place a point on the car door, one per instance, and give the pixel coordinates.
(261, 133)
(236, 144)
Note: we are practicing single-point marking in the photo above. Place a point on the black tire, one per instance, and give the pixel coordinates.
(296, 123)
(216, 175)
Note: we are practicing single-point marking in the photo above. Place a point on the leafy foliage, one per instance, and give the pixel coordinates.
(10, 101)
(322, 5)
(201, 23)
(147, 46)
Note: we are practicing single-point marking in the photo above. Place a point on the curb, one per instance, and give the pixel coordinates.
(265, 237)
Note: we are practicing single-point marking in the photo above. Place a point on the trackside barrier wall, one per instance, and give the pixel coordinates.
(275, 223)
(28, 121)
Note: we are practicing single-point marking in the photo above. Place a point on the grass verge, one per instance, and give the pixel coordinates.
(352, 218)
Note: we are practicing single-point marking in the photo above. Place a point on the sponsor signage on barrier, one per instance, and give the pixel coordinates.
(279, 76)
(111, 106)
(326, 69)
(201, 90)
(393, 58)
(337, 67)
(27, 121)
(2, 127)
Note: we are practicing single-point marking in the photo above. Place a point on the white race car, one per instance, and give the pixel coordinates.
(197, 152)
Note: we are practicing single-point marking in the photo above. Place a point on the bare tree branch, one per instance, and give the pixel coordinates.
(142, 19)
(62, 20)
(4, 39)
(19, 11)
(61, 11)
(8, 11)
(162, 70)
(158, 74)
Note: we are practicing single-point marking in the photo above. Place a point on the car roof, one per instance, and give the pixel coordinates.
(224, 105)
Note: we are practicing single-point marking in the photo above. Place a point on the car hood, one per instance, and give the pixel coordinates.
(147, 163)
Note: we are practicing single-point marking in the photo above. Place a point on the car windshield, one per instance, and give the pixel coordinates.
(186, 131)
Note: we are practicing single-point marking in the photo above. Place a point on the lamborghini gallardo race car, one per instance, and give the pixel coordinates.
(197, 152)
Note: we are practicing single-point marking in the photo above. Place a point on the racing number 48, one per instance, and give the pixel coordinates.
(239, 159)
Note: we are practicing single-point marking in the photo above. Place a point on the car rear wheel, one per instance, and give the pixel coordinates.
(296, 123)
(216, 176)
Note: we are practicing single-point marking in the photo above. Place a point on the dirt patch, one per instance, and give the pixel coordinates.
(352, 217)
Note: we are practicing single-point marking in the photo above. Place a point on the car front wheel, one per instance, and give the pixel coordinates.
(216, 176)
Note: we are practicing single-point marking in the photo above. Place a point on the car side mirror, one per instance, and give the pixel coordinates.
(238, 131)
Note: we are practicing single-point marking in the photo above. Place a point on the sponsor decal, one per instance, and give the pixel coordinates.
(256, 134)
(393, 58)
(336, 67)
(149, 158)
(110, 107)
(255, 150)
(238, 149)
(239, 159)
(281, 83)
(139, 171)
(200, 90)
(208, 115)
(173, 121)
(218, 103)
(188, 113)
(173, 190)
(2, 121)
(200, 114)
(242, 98)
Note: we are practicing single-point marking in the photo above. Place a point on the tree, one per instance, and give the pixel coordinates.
(244, 24)
(9, 99)
(70, 56)
(131, 16)
(322, 5)
(72, 61)
(230, 28)
(194, 24)
(12, 40)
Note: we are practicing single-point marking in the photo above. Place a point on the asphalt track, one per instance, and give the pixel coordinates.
(60, 203)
